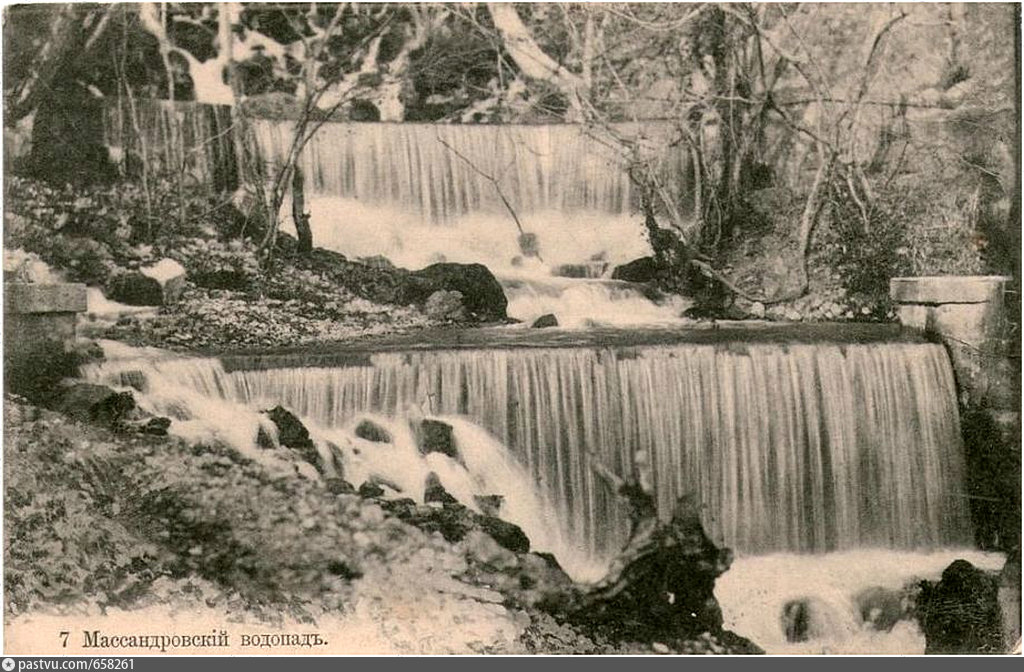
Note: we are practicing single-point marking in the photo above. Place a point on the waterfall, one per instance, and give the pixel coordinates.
(438, 171)
(422, 193)
(800, 447)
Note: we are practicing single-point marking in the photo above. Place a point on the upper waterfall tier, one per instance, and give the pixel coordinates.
(537, 167)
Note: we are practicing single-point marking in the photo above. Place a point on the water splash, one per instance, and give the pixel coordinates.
(754, 592)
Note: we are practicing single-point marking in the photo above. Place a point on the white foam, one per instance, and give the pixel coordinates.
(755, 590)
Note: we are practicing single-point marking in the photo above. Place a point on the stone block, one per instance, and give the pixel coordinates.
(25, 298)
(948, 289)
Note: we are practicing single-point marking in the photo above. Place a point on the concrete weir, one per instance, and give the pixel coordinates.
(39, 323)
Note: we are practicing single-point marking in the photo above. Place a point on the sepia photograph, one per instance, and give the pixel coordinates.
(511, 329)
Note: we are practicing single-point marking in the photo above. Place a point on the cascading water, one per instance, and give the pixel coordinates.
(799, 447)
(436, 171)
(849, 452)
(417, 193)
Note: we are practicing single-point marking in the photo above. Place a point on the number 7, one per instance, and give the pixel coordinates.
(64, 634)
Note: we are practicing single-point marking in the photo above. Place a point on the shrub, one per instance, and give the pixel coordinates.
(218, 265)
(909, 230)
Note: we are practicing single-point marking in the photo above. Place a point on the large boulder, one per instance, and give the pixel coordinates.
(482, 294)
(960, 614)
(644, 269)
(158, 284)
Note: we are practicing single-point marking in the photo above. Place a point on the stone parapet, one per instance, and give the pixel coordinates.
(39, 323)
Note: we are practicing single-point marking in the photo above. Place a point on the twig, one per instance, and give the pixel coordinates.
(494, 182)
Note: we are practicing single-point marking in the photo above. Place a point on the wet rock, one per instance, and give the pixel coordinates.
(134, 379)
(371, 431)
(507, 535)
(445, 306)
(434, 491)
(160, 284)
(482, 295)
(339, 486)
(155, 426)
(960, 613)
(529, 244)
(90, 402)
(370, 490)
(880, 609)
(796, 620)
(434, 436)
(644, 269)
(589, 269)
(545, 321)
(291, 433)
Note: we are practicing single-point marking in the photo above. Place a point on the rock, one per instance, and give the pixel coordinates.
(796, 620)
(434, 491)
(507, 535)
(371, 431)
(160, 284)
(644, 269)
(529, 245)
(545, 321)
(484, 548)
(960, 613)
(658, 647)
(445, 306)
(434, 436)
(291, 433)
(590, 269)
(880, 609)
(757, 310)
(171, 276)
(339, 486)
(570, 271)
(89, 402)
(370, 490)
(134, 378)
(482, 295)
(155, 426)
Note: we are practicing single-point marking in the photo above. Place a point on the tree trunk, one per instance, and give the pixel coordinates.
(531, 59)
(49, 60)
(301, 218)
(661, 586)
